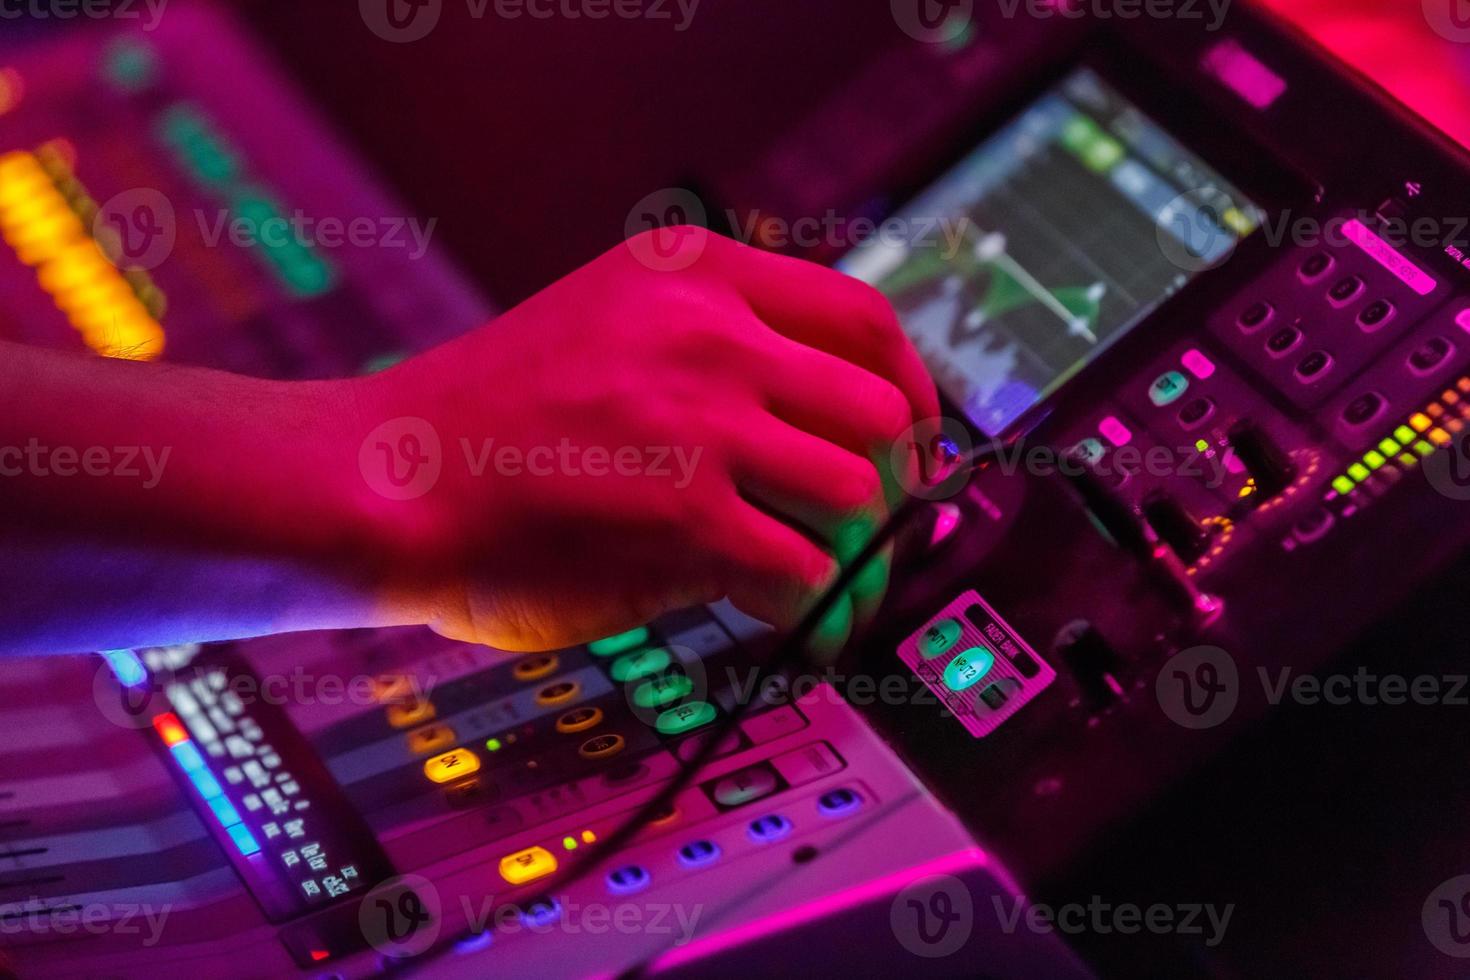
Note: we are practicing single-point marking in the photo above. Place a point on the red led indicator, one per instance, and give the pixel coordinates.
(170, 729)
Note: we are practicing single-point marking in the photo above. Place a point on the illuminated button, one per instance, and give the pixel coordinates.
(1314, 267)
(660, 691)
(621, 643)
(602, 746)
(745, 786)
(838, 803)
(628, 879)
(1313, 366)
(243, 839)
(938, 638)
(685, 717)
(392, 689)
(527, 865)
(771, 827)
(451, 765)
(578, 720)
(542, 911)
(1345, 290)
(1256, 316)
(644, 663)
(1196, 413)
(1283, 341)
(1430, 355)
(410, 714)
(968, 668)
(537, 667)
(1375, 315)
(558, 693)
(1167, 388)
(1364, 409)
(699, 853)
(1091, 450)
(430, 738)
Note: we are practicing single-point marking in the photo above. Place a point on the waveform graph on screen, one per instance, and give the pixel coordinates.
(1049, 264)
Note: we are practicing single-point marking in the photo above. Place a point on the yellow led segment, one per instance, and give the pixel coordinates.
(430, 738)
(410, 713)
(1439, 437)
(38, 222)
(1419, 422)
(451, 765)
(527, 865)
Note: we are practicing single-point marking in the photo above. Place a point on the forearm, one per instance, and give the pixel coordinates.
(147, 503)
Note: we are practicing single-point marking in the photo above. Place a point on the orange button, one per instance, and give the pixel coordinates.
(410, 714)
(579, 720)
(527, 865)
(602, 746)
(537, 667)
(559, 693)
(451, 765)
(430, 738)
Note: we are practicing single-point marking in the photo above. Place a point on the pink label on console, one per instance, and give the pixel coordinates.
(1387, 256)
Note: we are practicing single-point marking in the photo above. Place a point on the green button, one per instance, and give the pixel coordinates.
(644, 663)
(677, 721)
(938, 638)
(620, 643)
(662, 690)
(968, 668)
(1167, 387)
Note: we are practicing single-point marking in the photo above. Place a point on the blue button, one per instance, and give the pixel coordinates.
(541, 911)
(968, 668)
(769, 828)
(628, 879)
(244, 840)
(475, 942)
(838, 803)
(698, 853)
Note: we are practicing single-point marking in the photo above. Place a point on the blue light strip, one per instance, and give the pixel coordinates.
(186, 754)
(126, 667)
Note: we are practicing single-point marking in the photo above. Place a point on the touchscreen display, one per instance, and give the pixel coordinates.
(1046, 244)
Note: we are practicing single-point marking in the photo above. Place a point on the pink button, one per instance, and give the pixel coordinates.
(1197, 364)
(1114, 431)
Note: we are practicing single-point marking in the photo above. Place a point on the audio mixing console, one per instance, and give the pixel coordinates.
(1221, 385)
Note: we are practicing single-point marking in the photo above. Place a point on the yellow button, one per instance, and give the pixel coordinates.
(451, 765)
(430, 738)
(410, 714)
(537, 667)
(558, 693)
(602, 746)
(578, 720)
(527, 865)
(392, 688)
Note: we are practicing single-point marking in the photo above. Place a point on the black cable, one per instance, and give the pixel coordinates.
(791, 650)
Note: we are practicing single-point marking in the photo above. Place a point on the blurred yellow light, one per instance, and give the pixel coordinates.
(40, 225)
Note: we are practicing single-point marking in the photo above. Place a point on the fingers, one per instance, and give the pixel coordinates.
(833, 398)
(830, 493)
(768, 568)
(832, 312)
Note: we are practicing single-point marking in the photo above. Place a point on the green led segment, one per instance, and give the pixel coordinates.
(686, 717)
(662, 690)
(1374, 459)
(130, 65)
(1343, 484)
(938, 638)
(619, 643)
(1404, 435)
(1423, 448)
(206, 153)
(1358, 472)
(968, 668)
(1098, 151)
(296, 262)
(1388, 447)
(1201, 445)
(1407, 459)
(644, 663)
(493, 744)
